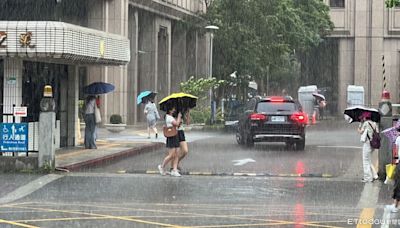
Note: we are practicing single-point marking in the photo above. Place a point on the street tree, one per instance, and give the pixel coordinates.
(258, 37)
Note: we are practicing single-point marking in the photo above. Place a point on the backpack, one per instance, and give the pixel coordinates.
(375, 142)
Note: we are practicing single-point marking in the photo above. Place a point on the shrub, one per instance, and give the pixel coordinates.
(115, 119)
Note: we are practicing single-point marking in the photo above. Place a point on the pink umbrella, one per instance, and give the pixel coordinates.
(392, 133)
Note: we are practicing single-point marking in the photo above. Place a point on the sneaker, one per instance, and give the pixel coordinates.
(366, 181)
(175, 173)
(394, 210)
(161, 170)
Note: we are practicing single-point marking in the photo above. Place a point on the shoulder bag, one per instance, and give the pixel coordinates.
(97, 115)
(169, 131)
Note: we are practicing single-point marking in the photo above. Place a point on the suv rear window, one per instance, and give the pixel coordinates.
(267, 107)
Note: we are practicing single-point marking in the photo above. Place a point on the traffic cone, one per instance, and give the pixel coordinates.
(314, 121)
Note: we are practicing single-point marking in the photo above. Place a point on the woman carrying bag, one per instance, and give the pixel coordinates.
(172, 142)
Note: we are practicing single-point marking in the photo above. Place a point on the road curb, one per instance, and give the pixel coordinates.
(308, 175)
(112, 157)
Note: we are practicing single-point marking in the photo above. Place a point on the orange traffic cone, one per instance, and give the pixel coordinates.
(314, 121)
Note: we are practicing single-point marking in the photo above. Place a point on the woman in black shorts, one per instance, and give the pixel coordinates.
(172, 144)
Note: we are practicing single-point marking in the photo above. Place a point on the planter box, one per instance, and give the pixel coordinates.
(115, 128)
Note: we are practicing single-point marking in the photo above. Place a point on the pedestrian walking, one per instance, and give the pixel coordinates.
(152, 115)
(90, 122)
(396, 190)
(183, 146)
(366, 128)
(172, 144)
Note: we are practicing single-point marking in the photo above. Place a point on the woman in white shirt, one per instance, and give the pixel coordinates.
(152, 116)
(172, 144)
(367, 126)
(90, 122)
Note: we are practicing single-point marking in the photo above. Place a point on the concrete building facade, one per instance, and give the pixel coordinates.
(134, 44)
(368, 35)
(162, 53)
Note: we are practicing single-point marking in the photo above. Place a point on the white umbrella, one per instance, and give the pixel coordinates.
(318, 95)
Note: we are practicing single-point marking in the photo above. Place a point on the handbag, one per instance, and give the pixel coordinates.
(97, 115)
(390, 171)
(169, 131)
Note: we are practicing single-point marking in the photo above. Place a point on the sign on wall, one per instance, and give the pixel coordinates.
(14, 137)
(20, 111)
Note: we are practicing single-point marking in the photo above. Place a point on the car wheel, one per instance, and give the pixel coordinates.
(249, 141)
(239, 138)
(300, 145)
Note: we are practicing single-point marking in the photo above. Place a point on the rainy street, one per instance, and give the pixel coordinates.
(224, 185)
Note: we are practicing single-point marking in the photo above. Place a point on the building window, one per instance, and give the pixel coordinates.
(336, 3)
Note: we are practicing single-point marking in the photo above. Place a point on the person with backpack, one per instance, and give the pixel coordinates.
(368, 130)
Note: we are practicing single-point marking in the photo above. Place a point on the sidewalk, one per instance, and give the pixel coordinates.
(110, 147)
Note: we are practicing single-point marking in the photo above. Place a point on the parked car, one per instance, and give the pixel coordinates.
(272, 119)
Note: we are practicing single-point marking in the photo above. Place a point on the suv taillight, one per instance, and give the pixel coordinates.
(299, 117)
(256, 116)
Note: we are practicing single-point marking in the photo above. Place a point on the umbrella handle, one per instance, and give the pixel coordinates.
(187, 117)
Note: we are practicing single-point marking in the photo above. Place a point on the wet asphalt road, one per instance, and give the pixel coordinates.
(102, 197)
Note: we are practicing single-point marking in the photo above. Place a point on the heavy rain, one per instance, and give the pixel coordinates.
(199, 113)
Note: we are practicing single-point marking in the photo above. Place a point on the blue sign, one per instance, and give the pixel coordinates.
(14, 137)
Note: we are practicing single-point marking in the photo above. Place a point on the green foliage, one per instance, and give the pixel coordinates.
(200, 115)
(392, 3)
(198, 87)
(255, 37)
(115, 119)
(81, 111)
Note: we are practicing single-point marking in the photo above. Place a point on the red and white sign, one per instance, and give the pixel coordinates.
(20, 111)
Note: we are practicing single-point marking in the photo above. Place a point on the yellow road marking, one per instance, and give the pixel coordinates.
(82, 151)
(366, 214)
(105, 216)
(17, 224)
(135, 218)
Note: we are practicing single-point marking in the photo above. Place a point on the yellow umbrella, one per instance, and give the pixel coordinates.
(181, 101)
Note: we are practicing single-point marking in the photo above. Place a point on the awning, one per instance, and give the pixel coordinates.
(61, 42)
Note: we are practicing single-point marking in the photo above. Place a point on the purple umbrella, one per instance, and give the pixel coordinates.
(392, 133)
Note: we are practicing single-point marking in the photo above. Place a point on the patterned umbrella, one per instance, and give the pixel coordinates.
(391, 133)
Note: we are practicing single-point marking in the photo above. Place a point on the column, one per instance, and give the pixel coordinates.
(73, 100)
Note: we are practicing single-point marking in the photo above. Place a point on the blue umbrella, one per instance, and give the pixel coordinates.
(99, 88)
(143, 95)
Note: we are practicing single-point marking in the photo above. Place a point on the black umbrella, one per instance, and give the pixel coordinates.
(352, 114)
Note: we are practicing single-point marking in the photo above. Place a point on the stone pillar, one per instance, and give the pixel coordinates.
(178, 57)
(133, 66)
(112, 17)
(362, 46)
(47, 133)
(146, 57)
(63, 110)
(163, 57)
(191, 53)
(345, 71)
(12, 92)
(73, 102)
(202, 58)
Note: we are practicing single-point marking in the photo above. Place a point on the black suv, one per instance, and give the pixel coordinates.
(272, 119)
